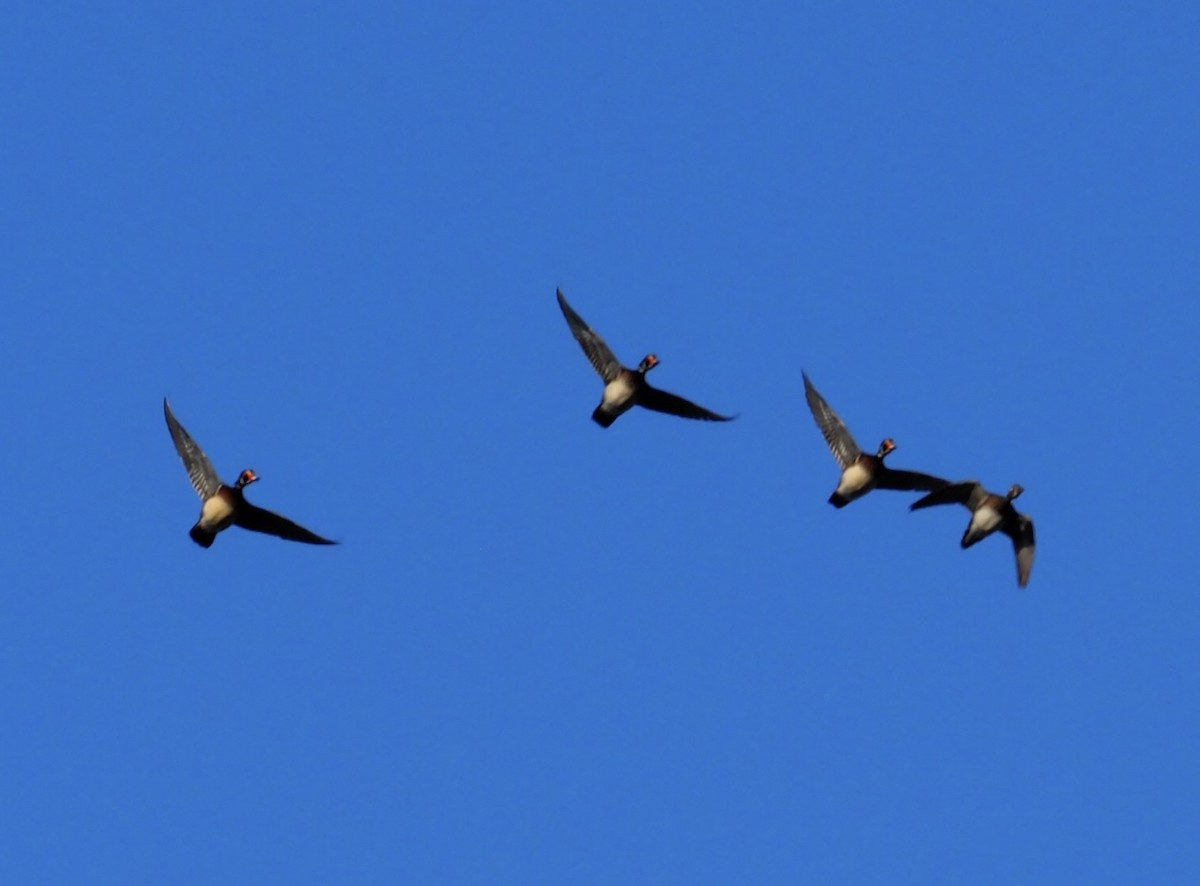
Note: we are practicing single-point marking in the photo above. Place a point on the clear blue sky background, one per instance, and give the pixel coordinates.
(547, 652)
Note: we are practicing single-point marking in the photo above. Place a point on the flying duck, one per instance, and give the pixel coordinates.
(625, 388)
(989, 512)
(861, 471)
(225, 505)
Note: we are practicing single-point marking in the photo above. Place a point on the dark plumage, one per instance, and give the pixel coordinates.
(223, 505)
(625, 388)
(861, 471)
(989, 512)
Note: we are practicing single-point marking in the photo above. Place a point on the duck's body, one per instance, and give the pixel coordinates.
(625, 388)
(216, 513)
(620, 395)
(860, 477)
(990, 513)
(224, 505)
(861, 471)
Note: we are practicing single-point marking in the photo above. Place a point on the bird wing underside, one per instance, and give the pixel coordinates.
(908, 480)
(200, 471)
(258, 519)
(833, 429)
(598, 353)
(672, 404)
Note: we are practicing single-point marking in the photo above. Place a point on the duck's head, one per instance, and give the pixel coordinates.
(885, 447)
(1016, 490)
(246, 477)
(648, 363)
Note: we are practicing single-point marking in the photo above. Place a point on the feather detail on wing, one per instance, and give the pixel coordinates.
(598, 353)
(833, 429)
(200, 471)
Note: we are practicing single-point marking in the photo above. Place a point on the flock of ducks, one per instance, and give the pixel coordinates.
(223, 505)
(863, 471)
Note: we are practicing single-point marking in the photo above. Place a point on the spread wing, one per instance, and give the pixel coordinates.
(661, 401)
(598, 353)
(969, 493)
(1021, 533)
(908, 480)
(837, 435)
(259, 520)
(200, 470)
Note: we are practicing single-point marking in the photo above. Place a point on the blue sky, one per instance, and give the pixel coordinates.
(547, 652)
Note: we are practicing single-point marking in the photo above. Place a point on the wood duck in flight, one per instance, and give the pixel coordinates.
(225, 505)
(989, 512)
(625, 388)
(861, 471)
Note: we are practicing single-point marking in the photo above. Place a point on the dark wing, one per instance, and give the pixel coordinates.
(258, 520)
(661, 401)
(968, 493)
(907, 480)
(200, 470)
(598, 353)
(837, 435)
(1021, 533)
